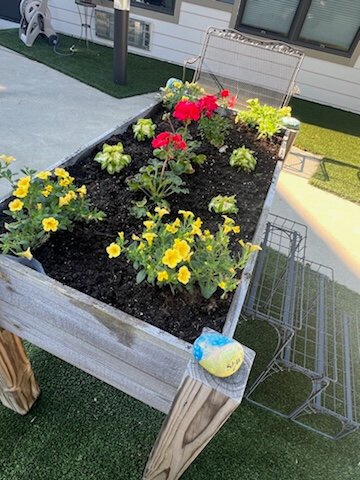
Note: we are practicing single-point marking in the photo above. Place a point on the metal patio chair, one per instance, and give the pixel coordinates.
(247, 67)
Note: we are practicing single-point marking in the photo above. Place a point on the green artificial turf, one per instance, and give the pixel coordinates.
(94, 66)
(83, 429)
(335, 135)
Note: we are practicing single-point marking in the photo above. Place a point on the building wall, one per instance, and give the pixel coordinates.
(177, 38)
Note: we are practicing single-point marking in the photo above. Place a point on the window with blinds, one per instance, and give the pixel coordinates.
(329, 25)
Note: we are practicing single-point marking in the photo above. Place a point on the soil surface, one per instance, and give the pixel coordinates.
(78, 258)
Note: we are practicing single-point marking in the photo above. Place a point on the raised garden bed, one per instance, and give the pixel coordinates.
(74, 317)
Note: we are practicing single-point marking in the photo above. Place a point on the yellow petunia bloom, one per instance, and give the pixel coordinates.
(171, 258)
(177, 84)
(149, 224)
(113, 250)
(63, 201)
(135, 237)
(141, 246)
(82, 191)
(24, 182)
(236, 229)
(65, 182)
(198, 222)
(121, 235)
(161, 211)
(26, 254)
(170, 227)
(186, 214)
(61, 172)
(182, 247)
(47, 190)
(50, 224)
(184, 275)
(72, 195)
(162, 276)
(227, 229)
(21, 192)
(209, 248)
(196, 231)
(228, 220)
(16, 205)
(149, 237)
(222, 285)
(44, 175)
(7, 159)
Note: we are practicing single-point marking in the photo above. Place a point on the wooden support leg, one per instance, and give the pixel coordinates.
(201, 406)
(18, 387)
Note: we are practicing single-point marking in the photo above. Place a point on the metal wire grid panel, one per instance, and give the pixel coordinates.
(248, 67)
(276, 290)
(340, 399)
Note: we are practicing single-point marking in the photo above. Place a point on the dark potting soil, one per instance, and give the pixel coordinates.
(79, 259)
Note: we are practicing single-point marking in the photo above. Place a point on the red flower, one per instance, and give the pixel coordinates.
(161, 140)
(224, 93)
(167, 139)
(185, 111)
(232, 101)
(208, 105)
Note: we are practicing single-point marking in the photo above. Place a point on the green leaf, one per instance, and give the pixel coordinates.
(207, 290)
(141, 276)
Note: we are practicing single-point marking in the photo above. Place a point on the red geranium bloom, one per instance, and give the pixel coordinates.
(224, 93)
(185, 111)
(178, 142)
(208, 105)
(161, 140)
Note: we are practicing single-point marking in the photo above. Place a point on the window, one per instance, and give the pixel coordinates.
(163, 6)
(329, 25)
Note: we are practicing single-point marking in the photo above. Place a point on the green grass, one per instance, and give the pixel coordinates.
(94, 66)
(334, 134)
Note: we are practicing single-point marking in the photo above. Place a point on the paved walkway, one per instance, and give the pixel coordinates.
(45, 116)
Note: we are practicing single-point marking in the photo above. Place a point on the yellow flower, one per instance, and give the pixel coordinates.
(71, 194)
(177, 84)
(186, 214)
(222, 285)
(82, 191)
(141, 246)
(182, 247)
(47, 190)
(15, 205)
(149, 237)
(121, 235)
(149, 224)
(236, 229)
(39, 206)
(209, 248)
(171, 258)
(184, 275)
(161, 211)
(65, 182)
(161, 276)
(44, 175)
(113, 250)
(196, 231)
(177, 222)
(50, 224)
(227, 229)
(171, 228)
(7, 159)
(198, 222)
(228, 220)
(250, 246)
(24, 182)
(135, 237)
(61, 172)
(26, 254)
(21, 192)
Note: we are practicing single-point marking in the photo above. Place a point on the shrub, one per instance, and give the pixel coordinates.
(243, 158)
(112, 158)
(180, 254)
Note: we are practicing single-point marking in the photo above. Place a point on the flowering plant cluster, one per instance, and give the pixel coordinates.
(144, 129)
(180, 254)
(266, 119)
(177, 90)
(44, 202)
(112, 158)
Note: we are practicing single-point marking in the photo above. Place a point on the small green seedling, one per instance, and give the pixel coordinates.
(223, 204)
(112, 158)
(243, 158)
(144, 129)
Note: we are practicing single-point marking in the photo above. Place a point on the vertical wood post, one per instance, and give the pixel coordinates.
(18, 387)
(202, 405)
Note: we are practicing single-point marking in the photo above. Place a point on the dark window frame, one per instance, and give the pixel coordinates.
(293, 36)
(154, 8)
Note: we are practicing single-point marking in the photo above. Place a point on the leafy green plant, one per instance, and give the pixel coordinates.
(214, 129)
(223, 204)
(156, 183)
(177, 90)
(144, 129)
(243, 158)
(44, 202)
(181, 255)
(266, 119)
(112, 158)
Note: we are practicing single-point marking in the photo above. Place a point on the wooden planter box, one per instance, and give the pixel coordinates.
(125, 352)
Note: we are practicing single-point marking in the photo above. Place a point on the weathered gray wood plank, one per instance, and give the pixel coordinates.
(121, 350)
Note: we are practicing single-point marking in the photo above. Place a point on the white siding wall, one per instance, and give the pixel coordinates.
(319, 81)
